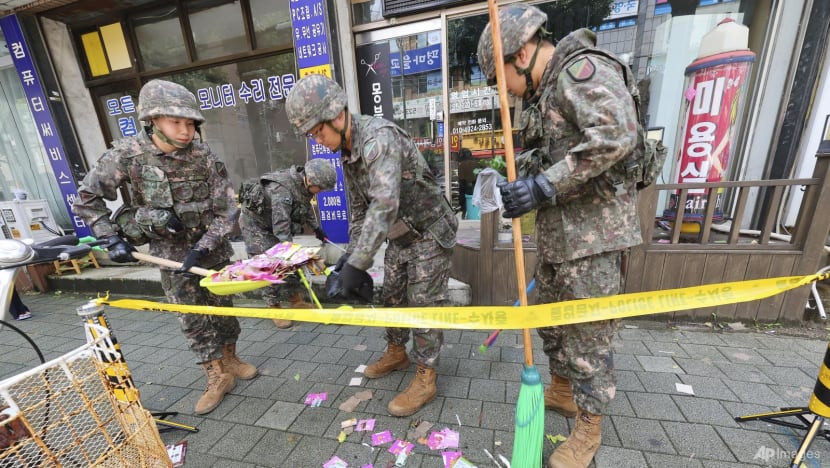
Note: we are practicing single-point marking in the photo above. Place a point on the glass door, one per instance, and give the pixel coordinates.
(400, 79)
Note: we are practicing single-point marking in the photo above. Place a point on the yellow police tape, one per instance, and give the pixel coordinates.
(508, 317)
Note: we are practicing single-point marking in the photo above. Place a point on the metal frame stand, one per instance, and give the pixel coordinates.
(94, 313)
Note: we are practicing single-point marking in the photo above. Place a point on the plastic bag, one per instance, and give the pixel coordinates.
(486, 194)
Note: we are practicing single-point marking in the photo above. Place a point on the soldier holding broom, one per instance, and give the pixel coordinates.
(581, 115)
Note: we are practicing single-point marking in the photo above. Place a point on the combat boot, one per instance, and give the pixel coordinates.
(297, 302)
(219, 384)
(235, 366)
(559, 396)
(281, 323)
(582, 444)
(395, 358)
(420, 391)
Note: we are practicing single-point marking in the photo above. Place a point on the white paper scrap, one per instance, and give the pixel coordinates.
(360, 369)
(356, 382)
(683, 388)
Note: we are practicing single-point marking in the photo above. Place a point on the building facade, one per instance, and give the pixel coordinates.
(412, 62)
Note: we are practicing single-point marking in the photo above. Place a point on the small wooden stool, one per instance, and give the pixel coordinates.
(76, 264)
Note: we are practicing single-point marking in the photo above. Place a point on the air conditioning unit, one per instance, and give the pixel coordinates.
(28, 219)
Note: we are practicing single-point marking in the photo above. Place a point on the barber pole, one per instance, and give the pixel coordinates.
(713, 96)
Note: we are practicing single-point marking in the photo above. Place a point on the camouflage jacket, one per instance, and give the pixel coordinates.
(192, 184)
(589, 126)
(285, 205)
(388, 180)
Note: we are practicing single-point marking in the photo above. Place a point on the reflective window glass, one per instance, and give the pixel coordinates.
(244, 108)
(217, 29)
(272, 23)
(366, 11)
(160, 40)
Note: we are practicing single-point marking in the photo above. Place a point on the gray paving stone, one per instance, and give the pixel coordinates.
(487, 390)
(704, 411)
(620, 406)
(629, 347)
(707, 387)
(745, 444)
(627, 362)
(691, 439)
(700, 351)
(628, 381)
(673, 461)
(615, 457)
(452, 386)
(237, 443)
(656, 382)
(666, 349)
(704, 367)
(280, 415)
(498, 416)
(659, 364)
(642, 434)
(654, 406)
(790, 376)
(751, 392)
(742, 372)
(745, 356)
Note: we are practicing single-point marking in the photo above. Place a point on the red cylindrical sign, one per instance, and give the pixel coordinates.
(713, 93)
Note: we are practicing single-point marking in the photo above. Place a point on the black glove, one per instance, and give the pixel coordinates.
(341, 261)
(525, 194)
(320, 234)
(351, 278)
(192, 259)
(119, 250)
(174, 225)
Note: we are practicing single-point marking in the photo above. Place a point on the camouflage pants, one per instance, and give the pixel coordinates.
(257, 241)
(413, 276)
(582, 352)
(205, 334)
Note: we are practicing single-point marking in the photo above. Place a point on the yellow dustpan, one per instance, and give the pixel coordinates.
(220, 288)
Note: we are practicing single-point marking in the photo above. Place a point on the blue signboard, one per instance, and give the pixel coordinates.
(38, 105)
(416, 60)
(312, 49)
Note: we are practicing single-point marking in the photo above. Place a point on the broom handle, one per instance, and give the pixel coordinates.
(518, 250)
(169, 263)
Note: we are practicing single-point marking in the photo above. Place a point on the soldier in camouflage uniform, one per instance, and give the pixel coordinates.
(276, 206)
(581, 118)
(392, 196)
(182, 203)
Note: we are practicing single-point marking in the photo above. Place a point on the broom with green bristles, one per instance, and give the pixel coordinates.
(530, 407)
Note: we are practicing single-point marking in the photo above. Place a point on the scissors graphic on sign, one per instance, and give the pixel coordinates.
(371, 66)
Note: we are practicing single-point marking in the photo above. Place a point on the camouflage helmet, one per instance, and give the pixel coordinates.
(159, 97)
(312, 100)
(518, 24)
(321, 173)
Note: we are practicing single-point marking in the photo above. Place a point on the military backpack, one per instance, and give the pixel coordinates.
(645, 164)
(252, 195)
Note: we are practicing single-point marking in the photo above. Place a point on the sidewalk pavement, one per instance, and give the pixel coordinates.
(264, 422)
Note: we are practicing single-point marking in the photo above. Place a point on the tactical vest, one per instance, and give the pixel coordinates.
(422, 206)
(163, 187)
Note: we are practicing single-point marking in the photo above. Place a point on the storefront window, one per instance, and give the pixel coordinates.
(244, 107)
(367, 11)
(23, 161)
(217, 30)
(160, 40)
(272, 23)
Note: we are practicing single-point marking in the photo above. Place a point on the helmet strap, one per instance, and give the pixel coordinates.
(527, 72)
(341, 131)
(157, 131)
